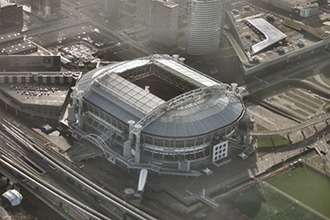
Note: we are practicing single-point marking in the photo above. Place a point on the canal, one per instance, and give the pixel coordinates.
(298, 193)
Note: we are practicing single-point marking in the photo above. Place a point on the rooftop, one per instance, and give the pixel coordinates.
(5, 4)
(34, 94)
(4, 38)
(271, 33)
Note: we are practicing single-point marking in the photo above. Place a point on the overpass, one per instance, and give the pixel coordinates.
(298, 127)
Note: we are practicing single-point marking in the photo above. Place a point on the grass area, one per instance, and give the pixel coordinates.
(325, 74)
(267, 143)
(327, 108)
(311, 79)
(325, 78)
(315, 159)
(263, 201)
(303, 75)
(280, 140)
(307, 186)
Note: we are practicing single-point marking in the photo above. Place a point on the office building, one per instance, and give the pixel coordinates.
(205, 26)
(109, 8)
(163, 23)
(46, 8)
(143, 12)
(11, 18)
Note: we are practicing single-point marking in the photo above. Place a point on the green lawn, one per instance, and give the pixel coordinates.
(325, 77)
(267, 143)
(325, 74)
(315, 159)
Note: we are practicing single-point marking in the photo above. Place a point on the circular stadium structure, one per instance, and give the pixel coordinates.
(156, 113)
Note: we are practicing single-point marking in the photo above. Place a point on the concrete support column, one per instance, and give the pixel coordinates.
(61, 80)
(137, 158)
(130, 128)
(80, 117)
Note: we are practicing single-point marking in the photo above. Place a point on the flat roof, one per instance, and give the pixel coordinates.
(271, 33)
(42, 95)
(18, 48)
(4, 38)
(185, 73)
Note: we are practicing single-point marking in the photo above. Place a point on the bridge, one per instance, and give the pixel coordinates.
(298, 127)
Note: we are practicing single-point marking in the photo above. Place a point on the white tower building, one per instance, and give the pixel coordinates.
(205, 26)
(163, 23)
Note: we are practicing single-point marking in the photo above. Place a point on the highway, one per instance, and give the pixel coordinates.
(103, 204)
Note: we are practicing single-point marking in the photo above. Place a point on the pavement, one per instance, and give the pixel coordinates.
(3, 214)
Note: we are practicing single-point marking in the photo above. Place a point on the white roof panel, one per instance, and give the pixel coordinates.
(186, 73)
(271, 33)
(130, 93)
(129, 65)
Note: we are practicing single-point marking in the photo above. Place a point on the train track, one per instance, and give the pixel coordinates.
(105, 197)
(12, 165)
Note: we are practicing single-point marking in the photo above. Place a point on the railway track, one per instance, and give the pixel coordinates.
(11, 164)
(104, 197)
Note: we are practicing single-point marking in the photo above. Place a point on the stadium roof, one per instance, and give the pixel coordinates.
(126, 101)
(198, 118)
(130, 93)
(271, 33)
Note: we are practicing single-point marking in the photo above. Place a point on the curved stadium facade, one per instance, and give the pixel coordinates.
(155, 113)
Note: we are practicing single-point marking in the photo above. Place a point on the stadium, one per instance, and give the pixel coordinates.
(155, 113)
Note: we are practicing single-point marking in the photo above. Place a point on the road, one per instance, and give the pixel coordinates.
(292, 71)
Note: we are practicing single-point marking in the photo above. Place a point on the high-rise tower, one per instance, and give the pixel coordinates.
(109, 8)
(205, 26)
(11, 17)
(46, 8)
(163, 23)
(143, 11)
